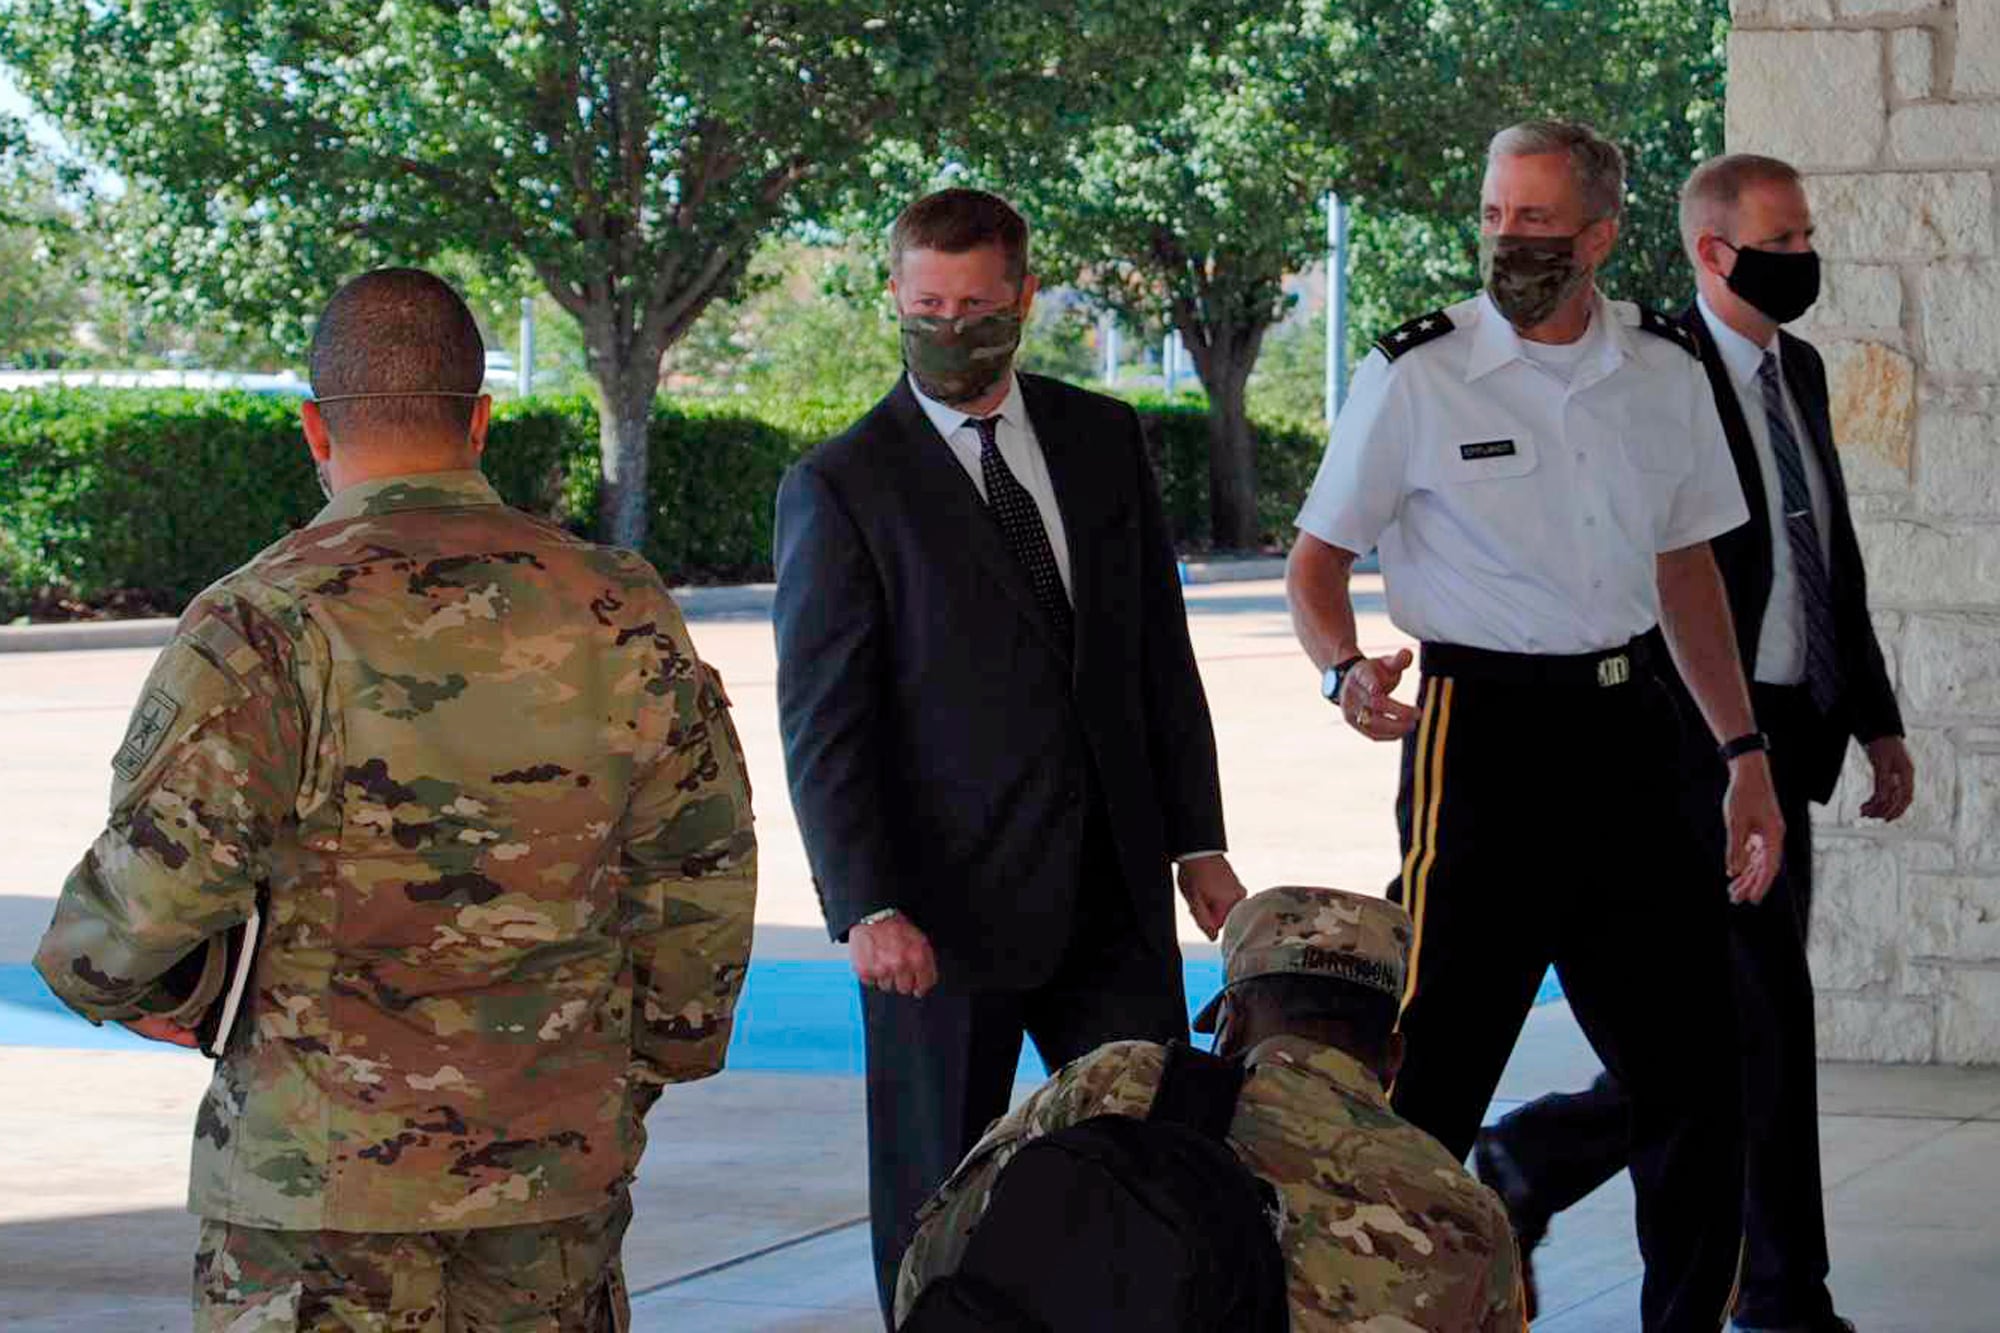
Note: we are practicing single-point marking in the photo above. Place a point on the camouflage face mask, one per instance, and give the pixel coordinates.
(1529, 277)
(957, 360)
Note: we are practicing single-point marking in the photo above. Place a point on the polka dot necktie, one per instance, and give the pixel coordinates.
(1802, 534)
(1021, 524)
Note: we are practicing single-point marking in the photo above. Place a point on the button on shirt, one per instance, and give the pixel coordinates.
(1019, 449)
(1781, 647)
(1517, 506)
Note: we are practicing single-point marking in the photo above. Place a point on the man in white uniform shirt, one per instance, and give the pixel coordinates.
(1542, 471)
(1799, 596)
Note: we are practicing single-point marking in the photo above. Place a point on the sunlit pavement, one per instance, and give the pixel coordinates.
(750, 1201)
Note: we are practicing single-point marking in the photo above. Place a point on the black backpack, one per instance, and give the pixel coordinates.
(1118, 1223)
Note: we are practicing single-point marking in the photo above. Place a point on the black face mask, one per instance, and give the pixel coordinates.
(1783, 284)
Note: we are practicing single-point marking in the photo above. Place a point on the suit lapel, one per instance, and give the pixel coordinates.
(955, 515)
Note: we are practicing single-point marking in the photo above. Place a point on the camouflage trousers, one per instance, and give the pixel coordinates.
(546, 1277)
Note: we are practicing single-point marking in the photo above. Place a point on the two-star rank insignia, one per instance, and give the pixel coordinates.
(1666, 326)
(1422, 329)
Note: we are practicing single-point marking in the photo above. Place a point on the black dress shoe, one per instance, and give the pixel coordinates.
(1499, 1172)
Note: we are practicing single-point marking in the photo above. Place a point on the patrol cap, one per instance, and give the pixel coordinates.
(1309, 932)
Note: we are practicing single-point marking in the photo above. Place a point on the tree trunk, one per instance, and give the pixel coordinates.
(623, 504)
(1232, 459)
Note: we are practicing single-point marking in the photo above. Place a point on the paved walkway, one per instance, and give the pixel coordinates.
(750, 1200)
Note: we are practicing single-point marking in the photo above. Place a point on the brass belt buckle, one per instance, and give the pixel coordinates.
(1615, 670)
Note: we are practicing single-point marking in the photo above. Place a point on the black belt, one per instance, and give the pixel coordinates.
(1599, 670)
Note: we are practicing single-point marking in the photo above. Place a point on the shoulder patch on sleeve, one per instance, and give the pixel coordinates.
(1417, 332)
(1666, 326)
(204, 668)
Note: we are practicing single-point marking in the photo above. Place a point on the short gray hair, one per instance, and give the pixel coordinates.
(1708, 200)
(1595, 161)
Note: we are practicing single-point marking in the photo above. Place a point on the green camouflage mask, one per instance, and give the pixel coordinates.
(957, 360)
(1529, 277)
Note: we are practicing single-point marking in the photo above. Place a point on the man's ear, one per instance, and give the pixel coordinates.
(482, 418)
(1030, 285)
(1602, 239)
(1715, 253)
(318, 440)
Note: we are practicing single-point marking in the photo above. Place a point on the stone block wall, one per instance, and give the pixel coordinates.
(1892, 108)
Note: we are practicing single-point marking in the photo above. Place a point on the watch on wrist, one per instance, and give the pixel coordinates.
(1750, 742)
(875, 918)
(1335, 676)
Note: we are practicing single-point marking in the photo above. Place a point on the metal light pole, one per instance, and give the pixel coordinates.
(1107, 344)
(524, 371)
(1336, 304)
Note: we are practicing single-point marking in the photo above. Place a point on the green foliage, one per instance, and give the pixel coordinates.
(1647, 74)
(1177, 439)
(156, 493)
(1290, 379)
(628, 154)
(147, 497)
(160, 493)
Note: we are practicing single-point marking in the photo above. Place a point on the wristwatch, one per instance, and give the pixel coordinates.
(1750, 742)
(1335, 676)
(875, 917)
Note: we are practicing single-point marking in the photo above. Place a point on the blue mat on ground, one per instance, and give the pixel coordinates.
(797, 1017)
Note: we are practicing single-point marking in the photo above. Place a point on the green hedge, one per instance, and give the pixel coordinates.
(145, 497)
(1288, 453)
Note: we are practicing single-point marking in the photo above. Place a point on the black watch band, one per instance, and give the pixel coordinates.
(1750, 742)
(1335, 676)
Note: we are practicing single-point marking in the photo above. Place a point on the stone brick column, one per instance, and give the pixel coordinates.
(1892, 108)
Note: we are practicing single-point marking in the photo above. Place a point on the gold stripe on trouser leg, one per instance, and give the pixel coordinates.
(1430, 788)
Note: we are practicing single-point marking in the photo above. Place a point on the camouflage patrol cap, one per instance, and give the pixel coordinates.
(1310, 932)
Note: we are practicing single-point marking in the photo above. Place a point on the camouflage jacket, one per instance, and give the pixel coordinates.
(1383, 1232)
(499, 814)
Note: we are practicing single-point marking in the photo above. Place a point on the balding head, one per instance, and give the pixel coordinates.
(403, 332)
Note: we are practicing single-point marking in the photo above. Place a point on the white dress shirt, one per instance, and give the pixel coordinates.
(1022, 452)
(1019, 449)
(1519, 507)
(1781, 646)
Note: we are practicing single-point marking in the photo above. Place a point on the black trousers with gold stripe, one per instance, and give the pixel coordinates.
(1545, 824)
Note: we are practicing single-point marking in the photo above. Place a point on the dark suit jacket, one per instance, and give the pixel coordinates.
(1867, 707)
(942, 747)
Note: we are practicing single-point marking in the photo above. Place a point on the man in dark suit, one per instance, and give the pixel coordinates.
(995, 734)
(1798, 594)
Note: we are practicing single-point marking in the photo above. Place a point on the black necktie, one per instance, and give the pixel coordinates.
(1021, 524)
(1808, 562)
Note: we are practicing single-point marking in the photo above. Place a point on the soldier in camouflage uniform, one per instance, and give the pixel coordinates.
(495, 812)
(1383, 1231)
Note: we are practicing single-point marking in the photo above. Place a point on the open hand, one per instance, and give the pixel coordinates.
(1365, 701)
(1756, 829)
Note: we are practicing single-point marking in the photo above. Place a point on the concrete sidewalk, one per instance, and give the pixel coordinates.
(750, 1206)
(751, 1196)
